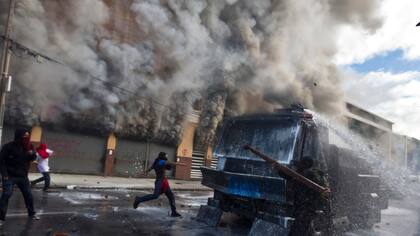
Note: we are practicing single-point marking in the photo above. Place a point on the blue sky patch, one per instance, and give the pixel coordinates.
(392, 61)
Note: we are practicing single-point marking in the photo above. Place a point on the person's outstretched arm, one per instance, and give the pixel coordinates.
(50, 152)
(169, 163)
(148, 169)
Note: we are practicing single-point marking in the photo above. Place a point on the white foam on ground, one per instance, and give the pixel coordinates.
(152, 210)
(393, 211)
(92, 216)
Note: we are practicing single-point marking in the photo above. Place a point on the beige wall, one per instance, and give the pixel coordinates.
(36, 134)
(185, 149)
(122, 23)
(112, 142)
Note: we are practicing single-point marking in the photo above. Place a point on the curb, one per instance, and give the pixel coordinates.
(75, 187)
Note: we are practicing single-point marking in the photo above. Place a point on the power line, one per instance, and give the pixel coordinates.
(17, 46)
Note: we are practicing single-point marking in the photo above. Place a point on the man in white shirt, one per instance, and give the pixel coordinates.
(43, 154)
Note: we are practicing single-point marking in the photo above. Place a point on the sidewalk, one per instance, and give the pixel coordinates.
(70, 181)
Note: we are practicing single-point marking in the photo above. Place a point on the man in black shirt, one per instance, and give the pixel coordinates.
(15, 159)
(160, 165)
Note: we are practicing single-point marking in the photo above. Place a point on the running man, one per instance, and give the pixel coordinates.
(160, 165)
(43, 154)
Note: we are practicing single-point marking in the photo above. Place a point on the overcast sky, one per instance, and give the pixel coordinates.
(384, 66)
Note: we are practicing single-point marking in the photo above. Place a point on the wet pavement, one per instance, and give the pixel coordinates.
(401, 218)
(99, 212)
(102, 212)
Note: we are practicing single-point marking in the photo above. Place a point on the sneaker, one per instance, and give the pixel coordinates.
(136, 202)
(34, 217)
(175, 214)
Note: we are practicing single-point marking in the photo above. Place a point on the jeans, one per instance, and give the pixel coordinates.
(156, 193)
(24, 187)
(45, 177)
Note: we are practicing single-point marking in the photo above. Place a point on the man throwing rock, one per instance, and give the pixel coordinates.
(160, 165)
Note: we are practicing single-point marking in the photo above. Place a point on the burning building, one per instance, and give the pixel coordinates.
(137, 68)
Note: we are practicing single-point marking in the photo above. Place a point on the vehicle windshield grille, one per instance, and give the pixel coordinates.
(275, 138)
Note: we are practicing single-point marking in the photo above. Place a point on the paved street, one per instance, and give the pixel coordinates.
(109, 212)
(400, 219)
(90, 212)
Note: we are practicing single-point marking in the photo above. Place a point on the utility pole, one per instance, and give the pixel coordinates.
(5, 63)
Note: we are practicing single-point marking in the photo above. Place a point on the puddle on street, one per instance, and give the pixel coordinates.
(78, 198)
(92, 216)
(193, 199)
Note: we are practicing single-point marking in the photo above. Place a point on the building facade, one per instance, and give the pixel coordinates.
(77, 153)
(400, 150)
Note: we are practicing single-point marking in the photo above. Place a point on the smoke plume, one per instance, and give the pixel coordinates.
(155, 58)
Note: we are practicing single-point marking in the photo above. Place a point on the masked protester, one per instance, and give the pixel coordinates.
(160, 165)
(15, 159)
(43, 154)
(307, 201)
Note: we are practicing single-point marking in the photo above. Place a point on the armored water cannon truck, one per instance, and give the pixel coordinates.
(260, 181)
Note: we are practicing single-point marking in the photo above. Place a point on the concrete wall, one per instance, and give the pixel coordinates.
(185, 150)
(369, 116)
(398, 149)
(132, 157)
(413, 155)
(8, 134)
(85, 154)
(75, 153)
